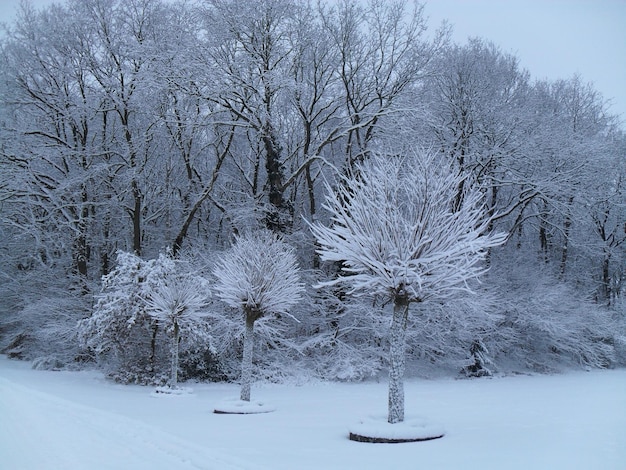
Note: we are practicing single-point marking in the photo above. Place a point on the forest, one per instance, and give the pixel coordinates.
(141, 141)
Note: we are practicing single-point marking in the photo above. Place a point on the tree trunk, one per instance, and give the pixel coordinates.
(605, 287)
(174, 376)
(155, 330)
(136, 216)
(275, 215)
(312, 209)
(397, 360)
(246, 362)
(543, 233)
(567, 224)
(543, 241)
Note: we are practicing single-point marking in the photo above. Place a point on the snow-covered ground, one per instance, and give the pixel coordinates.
(78, 420)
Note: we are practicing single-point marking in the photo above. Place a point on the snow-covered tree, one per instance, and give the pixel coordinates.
(396, 231)
(119, 331)
(137, 124)
(140, 300)
(259, 275)
(177, 302)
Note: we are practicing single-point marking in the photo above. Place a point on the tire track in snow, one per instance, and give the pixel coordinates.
(41, 431)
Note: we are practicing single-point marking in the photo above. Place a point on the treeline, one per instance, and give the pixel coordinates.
(143, 126)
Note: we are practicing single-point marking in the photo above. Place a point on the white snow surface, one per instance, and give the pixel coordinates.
(377, 427)
(78, 420)
(235, 405)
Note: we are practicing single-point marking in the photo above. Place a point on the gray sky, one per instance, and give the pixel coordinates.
(552, 38)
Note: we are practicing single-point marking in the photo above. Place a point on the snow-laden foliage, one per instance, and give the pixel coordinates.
(397, 232)
(440, 335)
(120, 307)
(406, 229)
(345, 338)
(178, 302)
(260, 276)
(44, 329)
(141, 125)
(134, 309)
(180, 299)
(545, 326)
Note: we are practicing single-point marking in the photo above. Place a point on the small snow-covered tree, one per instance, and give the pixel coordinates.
(178, 302)
(119, 330)
(140, 300)
(260, 275)
(399, 234)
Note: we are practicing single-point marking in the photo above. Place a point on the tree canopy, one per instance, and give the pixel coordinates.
(138, 126)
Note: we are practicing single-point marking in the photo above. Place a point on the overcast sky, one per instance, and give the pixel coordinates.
(552, 38)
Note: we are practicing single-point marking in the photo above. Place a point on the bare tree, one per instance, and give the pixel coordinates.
(48, 144)
(398, 235)
(478, 116)
(302, 82)
(383, 51)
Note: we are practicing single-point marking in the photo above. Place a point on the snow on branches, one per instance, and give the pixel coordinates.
(138, 298)
(405, 228)
(178, 301)
(120, 305)
(260, 275)
(397, 232)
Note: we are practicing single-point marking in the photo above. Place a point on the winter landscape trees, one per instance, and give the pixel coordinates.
(399, 232)
(177, 303)
(259, 275)
(137, 126)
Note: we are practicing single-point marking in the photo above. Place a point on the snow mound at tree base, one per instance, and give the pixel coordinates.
(240, 407)
(169, 391)
(378, 430)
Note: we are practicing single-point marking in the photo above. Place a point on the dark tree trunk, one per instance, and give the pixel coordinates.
(274, 186)
(567, 224)
(605, 287)
(136, 216)
(155, 331)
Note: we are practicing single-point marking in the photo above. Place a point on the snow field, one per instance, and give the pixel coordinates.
(237, 406)
(41, 431)
(78, 420)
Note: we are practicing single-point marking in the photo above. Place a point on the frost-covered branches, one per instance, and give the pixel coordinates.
(400, 231)
(397, 232)
(259, 274)
(178, 301)
(120, 308)
(139, 298)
